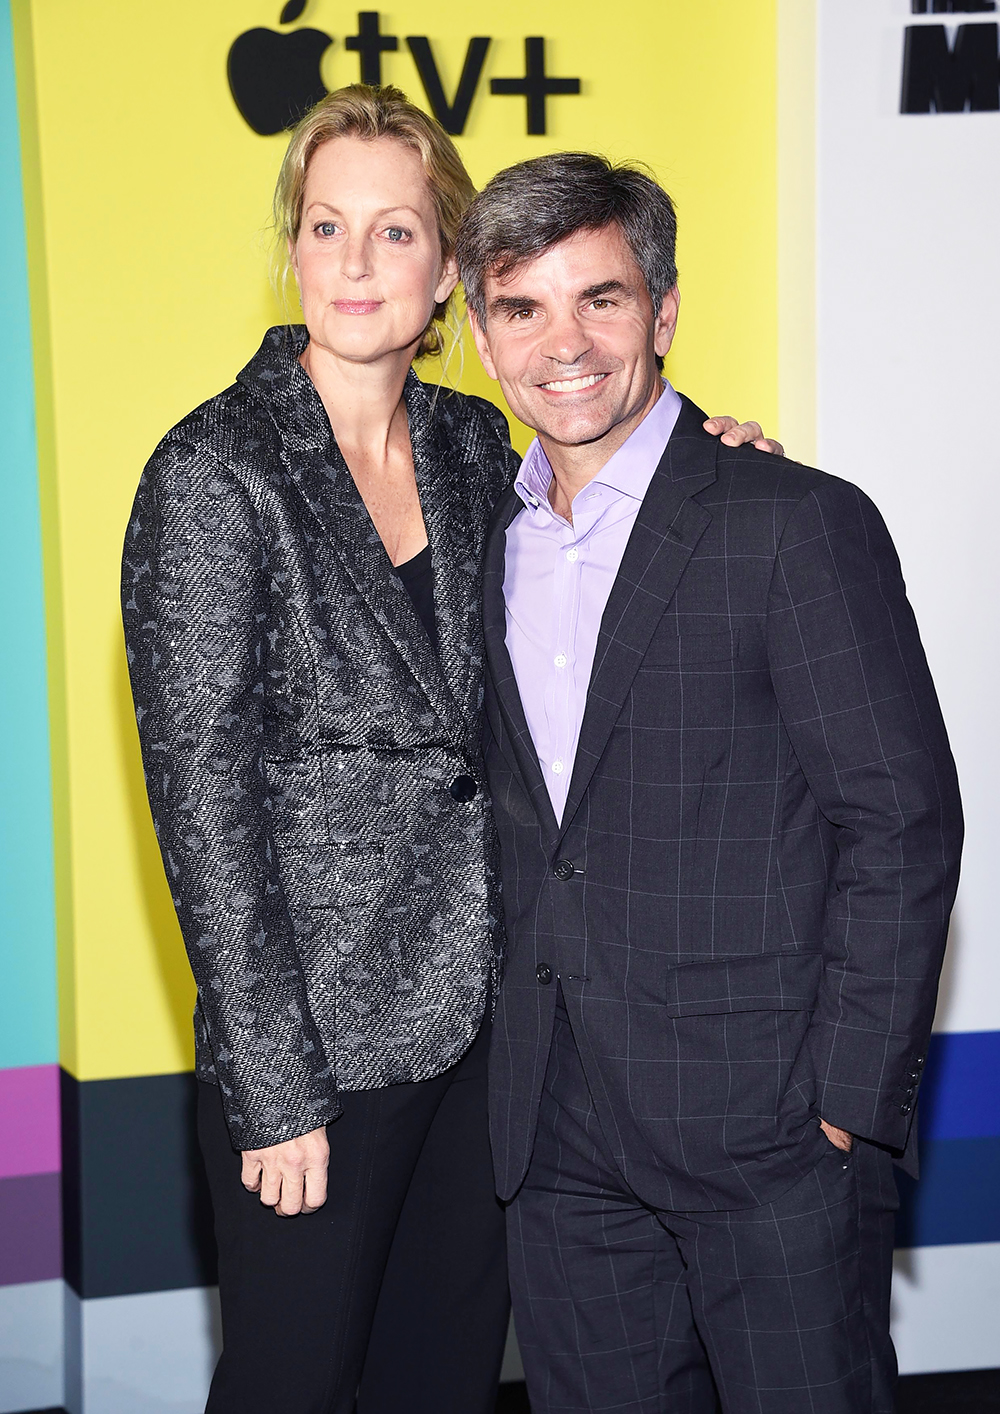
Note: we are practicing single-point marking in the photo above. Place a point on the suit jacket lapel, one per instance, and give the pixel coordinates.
(667, 529)
(503, 705)
(315, 466)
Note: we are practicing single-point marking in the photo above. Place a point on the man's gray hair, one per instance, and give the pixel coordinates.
(530, 207)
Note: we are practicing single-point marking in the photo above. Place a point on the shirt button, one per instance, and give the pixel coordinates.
(572, 555)
(560, 660)
(557, 767)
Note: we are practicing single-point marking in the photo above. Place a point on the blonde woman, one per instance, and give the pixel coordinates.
(301, 591)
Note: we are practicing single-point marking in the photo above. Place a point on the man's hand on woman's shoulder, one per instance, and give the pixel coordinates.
(737, 434)
(290, 1177)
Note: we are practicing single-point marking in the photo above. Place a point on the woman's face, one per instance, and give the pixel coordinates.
(368, 254)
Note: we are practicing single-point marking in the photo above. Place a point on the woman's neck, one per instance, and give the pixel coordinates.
(364, 401)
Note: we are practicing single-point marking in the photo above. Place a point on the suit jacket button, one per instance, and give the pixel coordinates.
(905, 1109)
(564, 869)
(463, 789)
(544, 973)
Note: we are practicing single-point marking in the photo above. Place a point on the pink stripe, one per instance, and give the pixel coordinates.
(29, 1121)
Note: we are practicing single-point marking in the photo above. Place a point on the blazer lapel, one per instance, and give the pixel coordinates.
(442, 477)
(667, 529)
(314, 464)
(504, 707)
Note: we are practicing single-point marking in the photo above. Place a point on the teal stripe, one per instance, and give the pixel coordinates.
(28, 1032)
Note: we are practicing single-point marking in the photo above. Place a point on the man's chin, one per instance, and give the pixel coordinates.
(574, 431)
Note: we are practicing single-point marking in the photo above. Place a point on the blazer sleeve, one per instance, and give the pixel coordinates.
(194, 597)
(860, 709)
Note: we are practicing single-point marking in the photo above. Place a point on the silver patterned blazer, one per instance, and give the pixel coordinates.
(313, 766)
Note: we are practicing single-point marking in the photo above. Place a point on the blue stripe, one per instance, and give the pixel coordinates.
(27, 935)
(960, 1094)
(957, 1198)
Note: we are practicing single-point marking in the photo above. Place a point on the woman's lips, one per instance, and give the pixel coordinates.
(357, 306)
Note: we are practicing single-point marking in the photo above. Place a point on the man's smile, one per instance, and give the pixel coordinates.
(574, 385)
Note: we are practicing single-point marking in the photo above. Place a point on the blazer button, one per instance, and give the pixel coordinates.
(463, 789)
(905, 1109)
(544, 973)
(564, 869)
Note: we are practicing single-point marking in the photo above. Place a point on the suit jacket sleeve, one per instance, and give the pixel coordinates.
(194, 591)
(860, 709)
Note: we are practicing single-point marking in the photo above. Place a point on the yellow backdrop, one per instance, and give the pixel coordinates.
(148, 202)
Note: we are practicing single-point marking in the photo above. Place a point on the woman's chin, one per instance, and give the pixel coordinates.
(364, 345)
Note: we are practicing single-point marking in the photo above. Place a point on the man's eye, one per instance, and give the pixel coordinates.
(601, 303)
(522, 314)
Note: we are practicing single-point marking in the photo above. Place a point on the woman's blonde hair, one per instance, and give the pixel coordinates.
(372, 111)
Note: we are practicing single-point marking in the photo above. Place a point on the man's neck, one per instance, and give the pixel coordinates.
(574, 466)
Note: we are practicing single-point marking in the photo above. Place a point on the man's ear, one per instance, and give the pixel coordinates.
(482, 344)
(448, 281)
(665, 322)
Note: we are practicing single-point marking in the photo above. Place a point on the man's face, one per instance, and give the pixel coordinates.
(572, 338)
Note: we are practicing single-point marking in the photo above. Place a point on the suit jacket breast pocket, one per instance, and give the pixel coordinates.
(679, 651)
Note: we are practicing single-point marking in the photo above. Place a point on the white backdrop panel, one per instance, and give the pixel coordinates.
(908, 290)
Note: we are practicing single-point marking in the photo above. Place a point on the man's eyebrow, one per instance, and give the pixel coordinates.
(508, 304)
(607, 287)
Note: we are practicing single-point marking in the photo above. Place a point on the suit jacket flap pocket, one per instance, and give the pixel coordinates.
(770, 982)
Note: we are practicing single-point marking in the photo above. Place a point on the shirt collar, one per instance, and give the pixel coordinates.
(629, 471)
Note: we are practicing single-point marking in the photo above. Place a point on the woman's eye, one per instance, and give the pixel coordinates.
(396, 234)
(327, 228)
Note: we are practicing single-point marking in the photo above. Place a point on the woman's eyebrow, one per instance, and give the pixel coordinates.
(386, 210)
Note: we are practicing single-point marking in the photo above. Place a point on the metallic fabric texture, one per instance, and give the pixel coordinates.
(338, 901)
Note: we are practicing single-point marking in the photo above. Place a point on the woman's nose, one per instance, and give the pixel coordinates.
(357, 265)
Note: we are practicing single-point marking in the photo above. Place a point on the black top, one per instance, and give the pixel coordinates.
(417, 579)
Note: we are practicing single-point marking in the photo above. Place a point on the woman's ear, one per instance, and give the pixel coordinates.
(448, 281)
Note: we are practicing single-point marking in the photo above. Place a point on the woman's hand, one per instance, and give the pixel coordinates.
(290, 1177)
(735, 434)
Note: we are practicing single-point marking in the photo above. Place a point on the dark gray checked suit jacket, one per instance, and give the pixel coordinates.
(300, 737)
(748, 896)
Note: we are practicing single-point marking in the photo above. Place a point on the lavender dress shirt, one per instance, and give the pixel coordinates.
(557, 579)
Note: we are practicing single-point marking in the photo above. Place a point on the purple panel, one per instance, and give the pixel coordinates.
(30, 1229)
(29, 1121)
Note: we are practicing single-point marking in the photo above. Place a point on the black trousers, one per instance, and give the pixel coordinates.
(394, 1294)
(779, 1309)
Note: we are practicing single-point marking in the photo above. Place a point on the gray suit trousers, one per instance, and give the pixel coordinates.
(775, 1309)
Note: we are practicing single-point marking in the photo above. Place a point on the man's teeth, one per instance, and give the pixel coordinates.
(573, 385)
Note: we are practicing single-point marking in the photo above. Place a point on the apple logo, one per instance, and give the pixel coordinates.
(274, 78)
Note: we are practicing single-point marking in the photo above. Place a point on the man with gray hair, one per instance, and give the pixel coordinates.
(730, 832)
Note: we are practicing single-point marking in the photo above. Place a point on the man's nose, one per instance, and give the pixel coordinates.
(566, 339)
